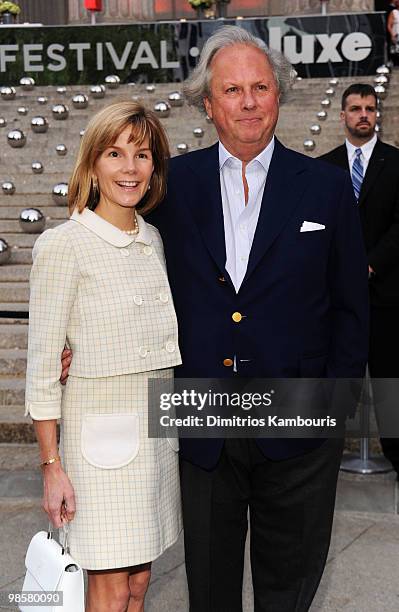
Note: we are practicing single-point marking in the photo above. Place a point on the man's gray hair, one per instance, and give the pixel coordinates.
(197, 86)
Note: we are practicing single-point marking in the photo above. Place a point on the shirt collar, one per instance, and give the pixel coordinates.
(110, 233)
(366, 149)
(264, 157)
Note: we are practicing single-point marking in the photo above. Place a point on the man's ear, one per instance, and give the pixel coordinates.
(342, 116)
(208, 107)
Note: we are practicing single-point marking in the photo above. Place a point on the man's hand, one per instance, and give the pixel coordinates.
(371, 272)
(66, 360)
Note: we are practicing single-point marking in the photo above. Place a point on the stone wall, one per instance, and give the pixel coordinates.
(115, 11)
(143, 10)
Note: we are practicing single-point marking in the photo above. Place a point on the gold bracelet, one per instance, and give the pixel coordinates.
(50, 461)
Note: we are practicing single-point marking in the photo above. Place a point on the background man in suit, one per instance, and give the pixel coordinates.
(269, 278)
(374, 168)
(257, 295)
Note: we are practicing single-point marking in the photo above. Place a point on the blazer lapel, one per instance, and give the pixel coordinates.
(206, 204)
(373, 169)
(284, 187)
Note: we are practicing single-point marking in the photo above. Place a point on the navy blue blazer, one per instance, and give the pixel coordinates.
(305, 294)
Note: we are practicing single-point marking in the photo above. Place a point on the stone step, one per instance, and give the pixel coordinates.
(15, 307)
(12, 392)
(12, 362)
(13, 334)
(15, 428)
(15, 273)
(26, 200)
(13, 293)
(13, 227)
(21, 255)
(12, 212)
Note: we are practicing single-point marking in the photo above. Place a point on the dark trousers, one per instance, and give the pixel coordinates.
(384, 363)
(291, 505)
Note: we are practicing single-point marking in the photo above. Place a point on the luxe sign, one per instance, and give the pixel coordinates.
(166, 52)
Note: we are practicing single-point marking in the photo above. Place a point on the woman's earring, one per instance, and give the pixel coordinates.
(149, 187)
(95, 186)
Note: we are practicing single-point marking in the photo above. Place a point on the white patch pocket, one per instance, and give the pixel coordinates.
(110, 441)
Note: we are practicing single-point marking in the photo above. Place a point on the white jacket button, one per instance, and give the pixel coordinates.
(143, 351)
(147, 250)
(170, 347)
(125, 252)
(164, 298)
(138, 300)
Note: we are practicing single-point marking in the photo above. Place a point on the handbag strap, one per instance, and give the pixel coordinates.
(64, 543)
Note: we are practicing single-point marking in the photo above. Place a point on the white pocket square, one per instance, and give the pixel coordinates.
(311, 226)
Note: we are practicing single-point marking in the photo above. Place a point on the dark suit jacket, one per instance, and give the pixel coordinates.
(379, 214)
(304, 296)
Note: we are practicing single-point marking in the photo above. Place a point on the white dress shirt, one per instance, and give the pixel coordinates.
(367, 150)
(240, 219)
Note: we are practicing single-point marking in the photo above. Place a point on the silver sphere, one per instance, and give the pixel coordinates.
(309, 144)
(112, 81)
(37, 167)
(82, 133)
(330, 92)
(22, 110)
(378, 114)
(322, 115)
(8, 93)
(380, 91)
(3, 122)
(97, 91)
(384, 69)
(61, 90)
(60, 112)
(175, 98)
(182, 147)
(326, 103)
(42, 100)
(150, 88)
(162, 109)
(5, 251)
(198, 132)
(8, 187)
(60, 194)
(333, 82)
(208, 119)
(298, 78)
(39, 124)
(27, 83)
(381, 79)
(32, 221)
(61, 150)
(80, 100)
(16, 139)
(378, 129)
(315, 129)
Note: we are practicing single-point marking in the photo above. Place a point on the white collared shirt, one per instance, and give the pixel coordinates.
(367, 150)
(240, 220)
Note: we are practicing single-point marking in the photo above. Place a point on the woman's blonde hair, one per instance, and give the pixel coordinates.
(101, 133)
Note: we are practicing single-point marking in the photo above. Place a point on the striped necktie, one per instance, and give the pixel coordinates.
(357, 173)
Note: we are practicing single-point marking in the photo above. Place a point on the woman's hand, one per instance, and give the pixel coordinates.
(58, 496)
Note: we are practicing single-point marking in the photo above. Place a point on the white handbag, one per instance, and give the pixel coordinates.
(50, 567)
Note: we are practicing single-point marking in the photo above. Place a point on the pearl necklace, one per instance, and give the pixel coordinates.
(135, 230)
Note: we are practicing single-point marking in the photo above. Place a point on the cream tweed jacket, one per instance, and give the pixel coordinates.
(106, 295)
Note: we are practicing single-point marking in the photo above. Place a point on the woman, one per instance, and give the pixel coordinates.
(98, 283)
(393, 31)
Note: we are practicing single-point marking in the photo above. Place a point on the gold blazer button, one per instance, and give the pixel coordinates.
(228, 363)
(236, 316)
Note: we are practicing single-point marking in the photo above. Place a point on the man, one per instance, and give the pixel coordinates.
(257, 294)
(374, 168)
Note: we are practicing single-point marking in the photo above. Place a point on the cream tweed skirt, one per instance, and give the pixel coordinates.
(126, 485)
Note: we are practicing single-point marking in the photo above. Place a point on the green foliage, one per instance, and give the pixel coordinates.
(204, 4)
(10, 7)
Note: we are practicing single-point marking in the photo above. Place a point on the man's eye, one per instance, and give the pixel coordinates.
(231, 89)
(262, 87)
